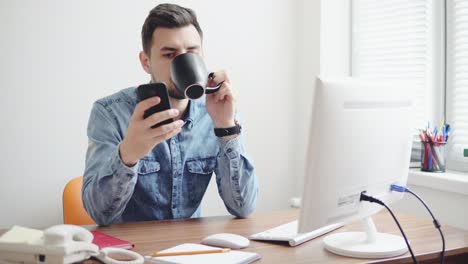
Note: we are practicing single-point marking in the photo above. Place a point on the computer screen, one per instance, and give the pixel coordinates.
(360, 141)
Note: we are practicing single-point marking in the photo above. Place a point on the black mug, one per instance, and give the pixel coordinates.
(190, 77)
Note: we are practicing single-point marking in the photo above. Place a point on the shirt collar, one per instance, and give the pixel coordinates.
(192, 114)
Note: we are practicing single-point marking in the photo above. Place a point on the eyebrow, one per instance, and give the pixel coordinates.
(175, 49)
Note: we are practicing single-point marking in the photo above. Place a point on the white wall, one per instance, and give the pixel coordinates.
(335, 38)
(308, 61)
(323, 48)
(58, 57)
(256, 41)
(447, 206)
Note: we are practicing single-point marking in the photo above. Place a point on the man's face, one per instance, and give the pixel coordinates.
(167, 43)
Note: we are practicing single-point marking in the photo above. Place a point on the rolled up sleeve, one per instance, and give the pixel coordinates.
(108, 183)
(236, 179)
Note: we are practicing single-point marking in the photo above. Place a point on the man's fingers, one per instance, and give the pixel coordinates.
(225, 91)
(217, 78)
(211, 97)
(167, 128)
(168, 135)
(159, 117)
(144, 105)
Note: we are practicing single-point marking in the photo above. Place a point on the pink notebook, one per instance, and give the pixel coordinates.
(104, 240)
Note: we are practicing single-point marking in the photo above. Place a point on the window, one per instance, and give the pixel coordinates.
(406, 40)
(392, 40)
(457, 82)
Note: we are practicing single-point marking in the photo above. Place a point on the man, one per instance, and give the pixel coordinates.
(136, 173)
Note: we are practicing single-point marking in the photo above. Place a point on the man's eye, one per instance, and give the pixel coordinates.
(168, 55)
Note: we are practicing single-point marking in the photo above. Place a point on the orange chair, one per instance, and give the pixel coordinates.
(73, 210)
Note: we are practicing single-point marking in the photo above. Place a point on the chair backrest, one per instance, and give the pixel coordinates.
(73, 210)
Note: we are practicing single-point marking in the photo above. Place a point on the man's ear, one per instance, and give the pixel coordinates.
(145, 62)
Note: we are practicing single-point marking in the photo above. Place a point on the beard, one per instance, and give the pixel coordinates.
(174, 93)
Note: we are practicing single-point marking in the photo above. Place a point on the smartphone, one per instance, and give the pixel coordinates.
(159, 89)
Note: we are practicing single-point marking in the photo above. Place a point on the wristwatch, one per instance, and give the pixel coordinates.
(222, 132)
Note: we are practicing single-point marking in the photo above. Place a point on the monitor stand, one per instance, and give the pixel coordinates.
(369, 244)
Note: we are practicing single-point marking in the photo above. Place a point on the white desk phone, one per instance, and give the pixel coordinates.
(58, 244)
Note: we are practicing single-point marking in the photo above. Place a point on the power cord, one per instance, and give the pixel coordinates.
(398, 188)
(365, 197)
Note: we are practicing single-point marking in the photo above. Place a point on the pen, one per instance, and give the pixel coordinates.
(181, 253)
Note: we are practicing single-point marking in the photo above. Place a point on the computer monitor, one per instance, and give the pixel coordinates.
(360, 140)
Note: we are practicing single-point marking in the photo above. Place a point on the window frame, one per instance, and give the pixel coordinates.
(452, 162)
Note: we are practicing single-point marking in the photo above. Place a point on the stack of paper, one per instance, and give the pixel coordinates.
(231, 257)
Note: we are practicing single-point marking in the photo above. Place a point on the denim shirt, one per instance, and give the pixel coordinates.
(171, 180)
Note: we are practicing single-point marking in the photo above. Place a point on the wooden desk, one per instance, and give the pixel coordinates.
(153, 236)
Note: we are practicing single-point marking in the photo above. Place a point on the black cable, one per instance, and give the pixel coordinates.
(434, 220)
(403, 189)
(371, 199)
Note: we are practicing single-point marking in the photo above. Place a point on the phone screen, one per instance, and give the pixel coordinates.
(146, 91)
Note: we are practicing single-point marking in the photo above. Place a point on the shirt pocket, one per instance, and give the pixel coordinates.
(198, 177)
(147, 189)
(202, 166)
(148, 167)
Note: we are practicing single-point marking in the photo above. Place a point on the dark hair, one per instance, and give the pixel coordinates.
(168, 16)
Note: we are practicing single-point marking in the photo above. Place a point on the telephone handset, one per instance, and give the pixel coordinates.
(70, 241)
(58, 244)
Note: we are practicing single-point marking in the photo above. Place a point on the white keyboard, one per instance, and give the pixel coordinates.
(288, 233)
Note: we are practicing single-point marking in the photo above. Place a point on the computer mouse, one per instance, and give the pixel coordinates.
(226, 240)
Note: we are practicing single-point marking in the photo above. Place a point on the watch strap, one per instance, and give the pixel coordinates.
(222, 132)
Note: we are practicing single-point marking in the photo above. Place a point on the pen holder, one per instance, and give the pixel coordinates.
(433, 156)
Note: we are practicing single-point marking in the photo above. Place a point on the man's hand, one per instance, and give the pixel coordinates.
(221, 105)
(141, 138)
